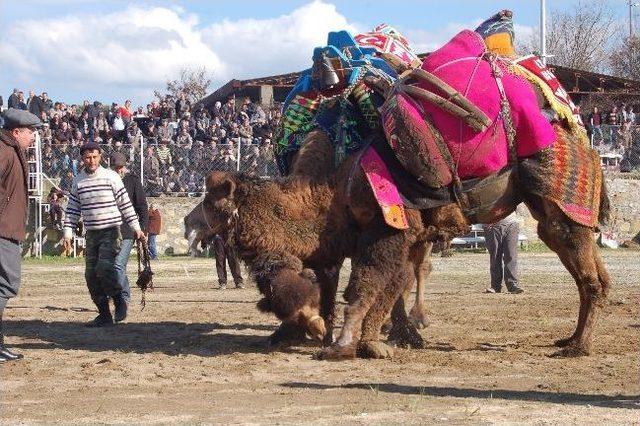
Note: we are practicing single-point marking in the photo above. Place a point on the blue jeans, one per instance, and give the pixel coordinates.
(121, 267)
(153, 251)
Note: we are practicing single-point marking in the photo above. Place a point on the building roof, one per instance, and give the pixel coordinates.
(576, 82)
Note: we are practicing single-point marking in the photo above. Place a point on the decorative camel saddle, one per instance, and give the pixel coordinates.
(464, 125)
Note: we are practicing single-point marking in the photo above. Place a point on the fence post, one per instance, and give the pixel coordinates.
(142, 161)
(238, 161)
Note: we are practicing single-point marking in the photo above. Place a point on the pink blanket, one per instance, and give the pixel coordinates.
(459, 64)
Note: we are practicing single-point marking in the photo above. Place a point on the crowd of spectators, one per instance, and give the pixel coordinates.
(615, 133)
(177, 144)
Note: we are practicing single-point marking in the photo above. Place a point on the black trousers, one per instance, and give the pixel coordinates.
(225, 254)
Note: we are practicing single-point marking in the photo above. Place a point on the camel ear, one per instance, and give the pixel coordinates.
(227, 188)
(220, 185)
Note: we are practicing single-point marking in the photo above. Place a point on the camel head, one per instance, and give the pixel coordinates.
(219, 207)
(196, 229)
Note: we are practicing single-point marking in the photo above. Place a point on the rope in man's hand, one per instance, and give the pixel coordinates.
(145, 275)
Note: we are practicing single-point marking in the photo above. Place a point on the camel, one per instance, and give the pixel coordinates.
(197, 229)
(323, 221)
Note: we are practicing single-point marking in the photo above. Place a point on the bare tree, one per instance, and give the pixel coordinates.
(625, 60)
(580, 37)
(194, 83)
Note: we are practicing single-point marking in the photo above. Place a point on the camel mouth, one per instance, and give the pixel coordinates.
(316, 328)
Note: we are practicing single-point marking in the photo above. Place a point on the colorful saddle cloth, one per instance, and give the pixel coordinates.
(347, 110)
(463, 65)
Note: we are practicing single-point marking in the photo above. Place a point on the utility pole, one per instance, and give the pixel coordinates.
(631, 6)
(543, 32)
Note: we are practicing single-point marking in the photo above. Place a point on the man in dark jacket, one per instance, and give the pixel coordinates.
(15, 137)
(139, 200)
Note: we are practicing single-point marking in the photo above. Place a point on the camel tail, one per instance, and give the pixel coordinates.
(605, 206)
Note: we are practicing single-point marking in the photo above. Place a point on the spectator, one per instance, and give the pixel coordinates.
(126, 112)
(12, 102)
(224, 253)
(55, 208)
(191, 181)
(139, 201)
(501, 239)
(165, 132)
(151, 166)
(155, 228)
(172, 181)
(164, 155)
(595, 120)
(21, 104)
(118, 126)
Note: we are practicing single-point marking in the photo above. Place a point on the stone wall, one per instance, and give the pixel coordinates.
(624, 195)
(173, 210)
(625, 224)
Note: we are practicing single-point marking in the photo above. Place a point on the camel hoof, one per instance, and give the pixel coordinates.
(571, 351)
(375, 350)
(418, 318)
(407, 337)
(561, 343)
(327, 340)
(337, 353)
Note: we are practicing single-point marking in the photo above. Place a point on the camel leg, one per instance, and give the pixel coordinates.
(578, 252)
(328, 279)
(421, 260)
(370, 345)
(380, 254)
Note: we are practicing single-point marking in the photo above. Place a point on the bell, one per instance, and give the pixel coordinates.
(323, 73)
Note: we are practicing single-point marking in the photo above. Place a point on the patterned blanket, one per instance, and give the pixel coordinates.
(568, 173)
(428, 140)
(462, 64)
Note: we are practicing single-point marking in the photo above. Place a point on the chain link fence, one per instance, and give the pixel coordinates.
(165, 168)
(618, 146)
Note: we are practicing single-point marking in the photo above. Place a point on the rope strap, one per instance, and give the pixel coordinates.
(145, 274)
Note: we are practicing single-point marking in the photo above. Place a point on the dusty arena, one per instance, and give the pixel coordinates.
(199, 355)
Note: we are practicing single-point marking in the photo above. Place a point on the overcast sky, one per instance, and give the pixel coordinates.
(116, 50)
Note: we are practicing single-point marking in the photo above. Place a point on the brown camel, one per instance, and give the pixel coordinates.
(328, 220)
(197, 229)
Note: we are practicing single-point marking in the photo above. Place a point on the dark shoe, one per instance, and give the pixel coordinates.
(222, 286)
(516, 290)
(101, 321)
(104, 317)
(240, 285)
(121, 305)
(7, 355)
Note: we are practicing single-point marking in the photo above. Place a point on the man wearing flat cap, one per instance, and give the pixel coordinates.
(99, 195)
(15, 137)
(132, 184)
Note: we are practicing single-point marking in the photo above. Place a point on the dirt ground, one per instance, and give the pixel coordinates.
(198, 355)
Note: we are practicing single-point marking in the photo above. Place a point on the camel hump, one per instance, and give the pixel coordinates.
(315, 159)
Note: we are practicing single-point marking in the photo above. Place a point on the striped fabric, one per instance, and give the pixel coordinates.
(102, 201)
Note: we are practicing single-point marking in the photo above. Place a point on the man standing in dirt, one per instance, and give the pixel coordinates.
(15, 137)
(136, 194)
(501, 239)
(100, 196)
(224, 254)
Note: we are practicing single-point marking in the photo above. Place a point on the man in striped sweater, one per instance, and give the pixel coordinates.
(99, 195)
